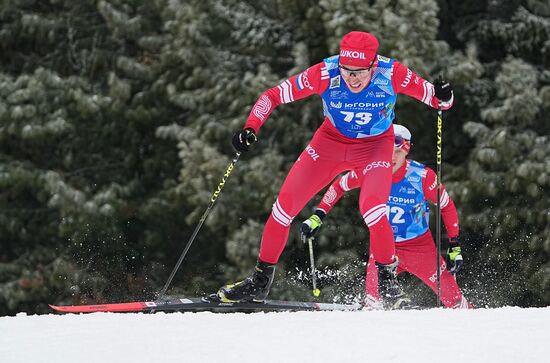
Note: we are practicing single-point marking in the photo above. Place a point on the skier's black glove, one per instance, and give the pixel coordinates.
(454, 255)
(443, 90)
(312, 225)
(243, 139)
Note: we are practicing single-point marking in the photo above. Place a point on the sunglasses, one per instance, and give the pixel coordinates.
(361, 72)
(401, 141)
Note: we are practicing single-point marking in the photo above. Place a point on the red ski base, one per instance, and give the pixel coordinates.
(120, 307)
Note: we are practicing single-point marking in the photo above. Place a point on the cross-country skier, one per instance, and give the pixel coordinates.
(413, 186)
(359, 89)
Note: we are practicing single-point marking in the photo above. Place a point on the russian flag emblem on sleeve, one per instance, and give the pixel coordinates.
(300, 82)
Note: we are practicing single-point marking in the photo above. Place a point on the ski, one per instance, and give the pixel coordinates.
(195, 304)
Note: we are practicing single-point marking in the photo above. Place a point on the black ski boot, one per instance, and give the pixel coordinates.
(393, 296)
(254, 288)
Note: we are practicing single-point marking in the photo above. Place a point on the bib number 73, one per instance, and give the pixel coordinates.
(360, 118)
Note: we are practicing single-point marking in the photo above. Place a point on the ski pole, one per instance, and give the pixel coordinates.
(203, 218)
(316, 292)
(438, 209)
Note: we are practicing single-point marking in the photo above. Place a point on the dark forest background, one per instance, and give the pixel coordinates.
(115, 125)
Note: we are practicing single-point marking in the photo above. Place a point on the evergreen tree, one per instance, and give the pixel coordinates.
(503, 189)
(80, 156)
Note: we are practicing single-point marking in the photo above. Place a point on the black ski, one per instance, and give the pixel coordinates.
(194, 304)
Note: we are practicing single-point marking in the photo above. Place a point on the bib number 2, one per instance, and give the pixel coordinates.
(395, 214)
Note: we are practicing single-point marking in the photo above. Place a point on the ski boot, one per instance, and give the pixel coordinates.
(372, 303)
(254, 288)
(393, 296)
(463, 304)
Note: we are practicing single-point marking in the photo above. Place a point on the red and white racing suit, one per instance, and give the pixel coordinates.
(355, 135)
(416, 255)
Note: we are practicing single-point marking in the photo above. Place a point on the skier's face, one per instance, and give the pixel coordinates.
(356, 78)
(398, 158)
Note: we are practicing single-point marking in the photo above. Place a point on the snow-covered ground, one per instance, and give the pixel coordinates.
(437, 335)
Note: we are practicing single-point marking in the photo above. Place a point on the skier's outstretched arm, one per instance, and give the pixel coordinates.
(407, 82)
(313, 80)
(450, 219)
